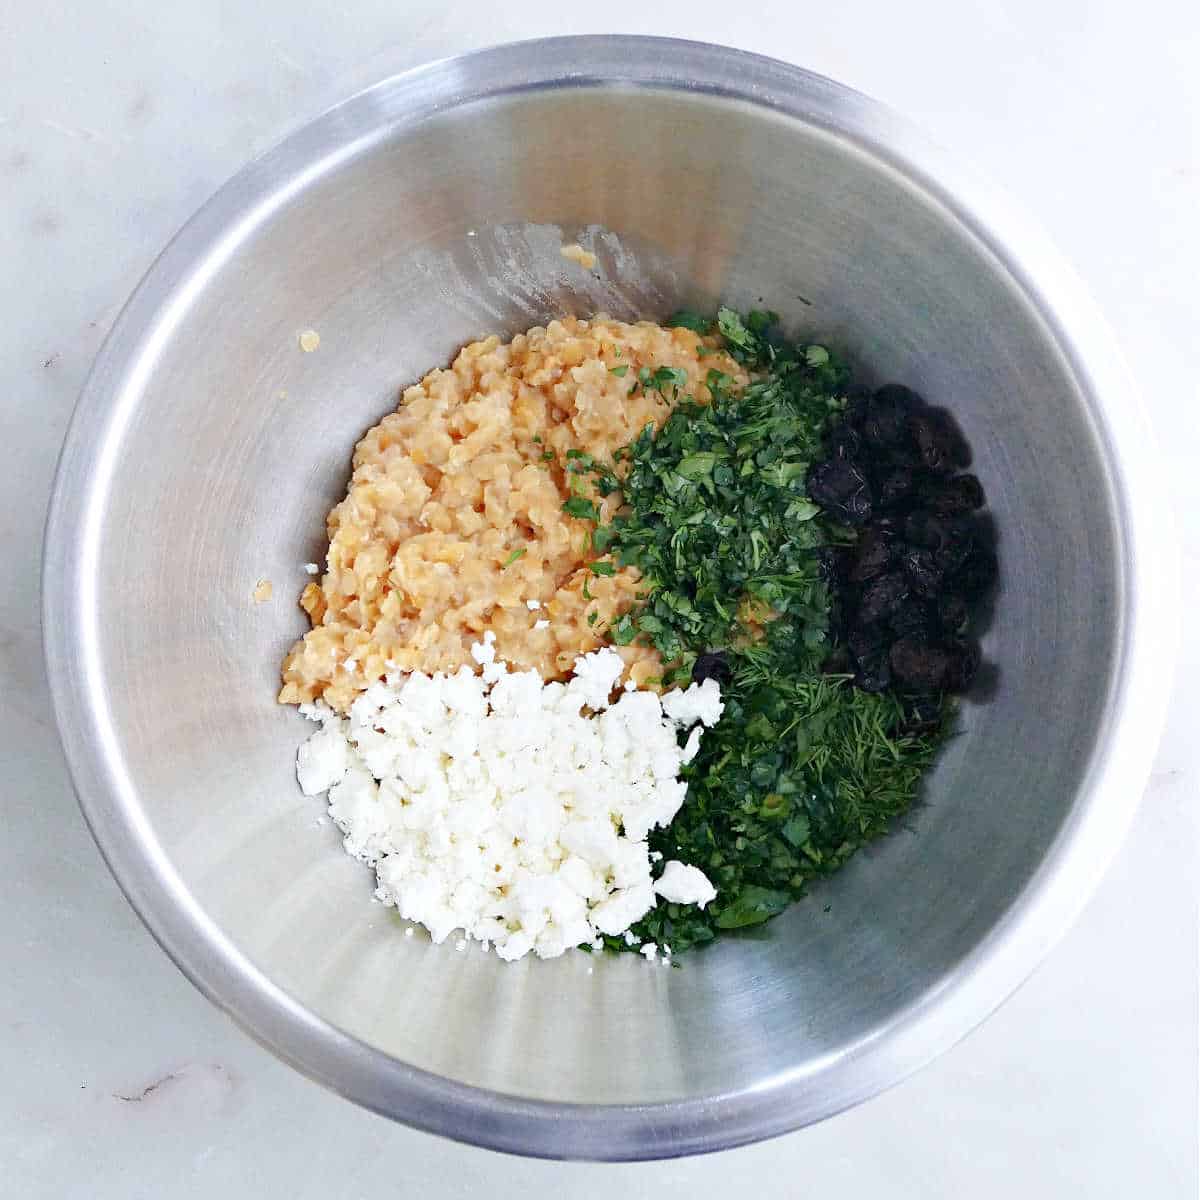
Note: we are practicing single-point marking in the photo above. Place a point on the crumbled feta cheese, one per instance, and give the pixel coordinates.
(485, 652)
(541, 624)
(312, 568)
(506, 808)
(322, 760)
(699, 702)
(683, 884)
(649, 951)
(595, 677)
(533, 605)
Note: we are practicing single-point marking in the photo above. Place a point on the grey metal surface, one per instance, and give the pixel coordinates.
(206, 449)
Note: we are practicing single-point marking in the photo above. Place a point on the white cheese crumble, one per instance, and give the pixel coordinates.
(682, 884)
(511, 809)
(312, 569)
(699, 702)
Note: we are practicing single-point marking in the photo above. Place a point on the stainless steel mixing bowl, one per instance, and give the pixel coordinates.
(423, 213)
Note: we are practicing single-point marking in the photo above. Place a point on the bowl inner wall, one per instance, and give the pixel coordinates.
(441, 233)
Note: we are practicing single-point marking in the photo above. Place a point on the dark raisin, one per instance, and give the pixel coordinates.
(874, 675)
(712, 665)
(919, 662)
(845, 442)
(952, 613)
(881, 596)
(838, 662)
(834, 562)
(924, 575)
(934, 665)
(841, 488)
(924, 529)
(834, 481)
(976, 574)
(955, 549)
(897, 485)
(913, 615)
(950, 497)
(964, 664)
(864, 640)
(857, 510)
(886, 422)
(939, 444)
(868, 647)
(872, 556)
(923, 714)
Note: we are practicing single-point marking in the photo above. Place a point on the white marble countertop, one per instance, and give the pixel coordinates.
(116, 121)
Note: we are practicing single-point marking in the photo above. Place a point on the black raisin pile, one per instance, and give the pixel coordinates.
(903, 591)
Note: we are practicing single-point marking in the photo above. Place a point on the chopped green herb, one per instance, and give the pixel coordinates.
(602, 567)
(547, 456)
(581, 507)
(620, 372)
(624, 631)
(734, 330)
(667, 377)
(537, 438)
(512, 558)
(690, 320)
(592, 616)
(587, 595)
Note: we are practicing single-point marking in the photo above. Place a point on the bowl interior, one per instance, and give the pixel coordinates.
(232, 444)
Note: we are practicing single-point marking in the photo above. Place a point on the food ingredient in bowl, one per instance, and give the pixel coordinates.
(310, 339)
(576, 253)
(571, 489)
(509, 808)
(465, 504)
(902, 593)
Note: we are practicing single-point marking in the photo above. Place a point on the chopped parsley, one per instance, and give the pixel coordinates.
(512, 558)
(582, 507)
